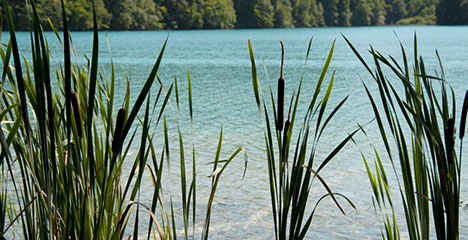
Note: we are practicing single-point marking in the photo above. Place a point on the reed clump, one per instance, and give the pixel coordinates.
(416, 120)
(63, 157)
(291, 168)
(64, 172)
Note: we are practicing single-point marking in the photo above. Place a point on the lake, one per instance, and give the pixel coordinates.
(219, 66)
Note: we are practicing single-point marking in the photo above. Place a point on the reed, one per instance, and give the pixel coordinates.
(416, 112)
(291, 168)
(66, 173)
(65, 159)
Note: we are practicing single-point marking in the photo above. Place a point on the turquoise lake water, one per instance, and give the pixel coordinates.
(219, 66)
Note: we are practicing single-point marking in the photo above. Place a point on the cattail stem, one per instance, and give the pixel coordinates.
(75, 101)
(280, 108)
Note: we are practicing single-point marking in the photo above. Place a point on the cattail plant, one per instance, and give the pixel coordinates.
(291, 175)
(66, 177)
(429, 170)
(67, 169)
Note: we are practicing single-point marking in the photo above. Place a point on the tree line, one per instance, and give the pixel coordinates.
(228, 14)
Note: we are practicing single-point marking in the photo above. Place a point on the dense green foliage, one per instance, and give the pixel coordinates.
(429, 170)
(62, 172)
(228, 14)
(452, 12)
(291, 172)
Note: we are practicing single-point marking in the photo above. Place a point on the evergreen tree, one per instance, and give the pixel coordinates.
(362, 14)
(145, 15)
(429, 14)
(175, 9)
(331, 14)
(463, 14)
(345, 13)
(121, 14)
(283, 14)
(378, 12)
(263, 14)
(396, 10)
(353, 4)
(20, 15)
(243, 13)
(219, 14)
(254, 13)
(449, 12)
(301, 13)
(196, 14)
(318, 15)
(183, 14)
(80, 14)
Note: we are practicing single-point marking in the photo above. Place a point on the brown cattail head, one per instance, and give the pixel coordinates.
(280, 108)
(449, 140)
(75, 101)
(118, 129)
(463, 116)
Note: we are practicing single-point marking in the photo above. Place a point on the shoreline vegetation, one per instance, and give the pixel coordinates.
(64, 149)
(239, 14)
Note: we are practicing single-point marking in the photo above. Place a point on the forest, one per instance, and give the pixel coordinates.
(229, 14)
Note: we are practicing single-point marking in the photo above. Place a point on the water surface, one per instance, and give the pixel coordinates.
(219, 66)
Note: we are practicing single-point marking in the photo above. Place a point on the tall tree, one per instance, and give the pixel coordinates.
(330, 14)
(396, 10)
(219, 14)
(378, 12)
(283, 14)
(301, 13)
(121, 14)
(263, 14)
(463, 16)
(145, 15)
(344, 13)
(450, 12)
(254, 13)
(80, 14)
(362, 14)
(183, 14)
(318, 14)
